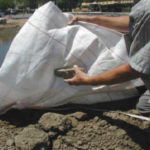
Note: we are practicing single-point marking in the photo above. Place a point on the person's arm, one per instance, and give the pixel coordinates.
(117, 23)
(114, 76)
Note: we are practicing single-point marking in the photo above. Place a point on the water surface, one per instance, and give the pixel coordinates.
(6, 37)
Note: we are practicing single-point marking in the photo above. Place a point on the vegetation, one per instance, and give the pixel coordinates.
(4, 4)
(65, 5)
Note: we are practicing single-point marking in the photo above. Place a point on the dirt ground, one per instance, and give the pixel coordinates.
(12, 23)
(74, 127)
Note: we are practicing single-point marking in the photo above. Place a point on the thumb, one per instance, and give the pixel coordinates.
(76, 69)
(70, 22)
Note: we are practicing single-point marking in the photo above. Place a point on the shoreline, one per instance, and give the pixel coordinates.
(9, 30)
(13, 23)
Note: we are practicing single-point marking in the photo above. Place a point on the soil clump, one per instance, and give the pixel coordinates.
(73, 128)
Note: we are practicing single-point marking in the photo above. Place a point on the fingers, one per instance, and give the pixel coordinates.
(76, 69)
(71, 22)
(75, 19)
(71, 81)
(68, 80)
(78, 78)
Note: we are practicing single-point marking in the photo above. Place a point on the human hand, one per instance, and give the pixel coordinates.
(80, 77)
(73, 20)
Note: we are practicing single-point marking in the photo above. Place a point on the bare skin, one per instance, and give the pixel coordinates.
(114, 76)
(117, 75)
(116, 23)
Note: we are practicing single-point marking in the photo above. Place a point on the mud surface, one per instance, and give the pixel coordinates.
(74, 127)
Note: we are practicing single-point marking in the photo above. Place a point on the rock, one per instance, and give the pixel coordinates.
(81, 116)
(112, 128)
(84, 147)
(9, 148)
(120, 133)
(74, 122)
(55, 122)
(80, 127)
(96, 118)
(68, 140)
(3, 21)
(56, 144)
(134, 111)
(52, 134)
(95, 127)
(10, 142)
(113, 115)
(146, 124)
(79, 142)
(32, 138)
(117, 149)
(102, 123)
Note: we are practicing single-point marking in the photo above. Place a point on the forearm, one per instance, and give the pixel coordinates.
(118, 75)
(117, 23)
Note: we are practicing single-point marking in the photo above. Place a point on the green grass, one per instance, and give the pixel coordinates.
(7, 34)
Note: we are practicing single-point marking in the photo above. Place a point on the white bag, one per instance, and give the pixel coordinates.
(46, 42)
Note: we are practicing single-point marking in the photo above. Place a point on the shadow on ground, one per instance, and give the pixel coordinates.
(23, 118)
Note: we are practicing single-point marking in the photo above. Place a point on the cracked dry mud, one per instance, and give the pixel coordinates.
(73, 129)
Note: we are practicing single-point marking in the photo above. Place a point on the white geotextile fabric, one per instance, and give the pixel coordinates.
(46, 42)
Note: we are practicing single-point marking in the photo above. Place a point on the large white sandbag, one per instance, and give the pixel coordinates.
(46, 42)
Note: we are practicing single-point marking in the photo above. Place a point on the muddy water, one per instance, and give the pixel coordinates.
(6, 37)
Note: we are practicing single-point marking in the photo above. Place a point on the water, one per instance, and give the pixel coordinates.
(6, 37)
